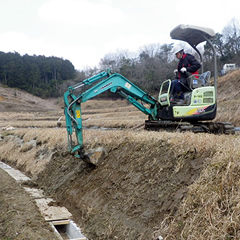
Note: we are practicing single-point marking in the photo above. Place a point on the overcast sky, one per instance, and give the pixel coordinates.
(83, 31)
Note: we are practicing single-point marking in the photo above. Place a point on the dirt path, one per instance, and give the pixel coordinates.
(19, 217)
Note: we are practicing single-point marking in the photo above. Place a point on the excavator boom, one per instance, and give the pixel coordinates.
(104, 81)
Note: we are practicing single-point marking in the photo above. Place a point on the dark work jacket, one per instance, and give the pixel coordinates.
(190, 63)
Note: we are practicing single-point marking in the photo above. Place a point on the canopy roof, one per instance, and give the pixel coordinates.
(191, 34)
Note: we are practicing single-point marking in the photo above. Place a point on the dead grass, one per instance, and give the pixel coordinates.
(211, 208)
(102, 113)
(31, 149)
(229, 98)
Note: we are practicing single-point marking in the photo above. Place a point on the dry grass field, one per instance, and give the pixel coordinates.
(178, 185)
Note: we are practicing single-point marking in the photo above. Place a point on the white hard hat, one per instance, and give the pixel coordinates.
(179, 50)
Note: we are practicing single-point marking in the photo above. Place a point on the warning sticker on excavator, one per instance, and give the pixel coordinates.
(128, 85)
(78, 114)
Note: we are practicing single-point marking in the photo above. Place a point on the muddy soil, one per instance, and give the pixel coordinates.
(20, 218)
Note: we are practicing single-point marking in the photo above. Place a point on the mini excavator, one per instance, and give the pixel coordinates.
(193, 114)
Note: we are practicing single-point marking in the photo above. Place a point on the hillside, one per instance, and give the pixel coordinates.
(178, 185)
(229, 98)
(17, 100)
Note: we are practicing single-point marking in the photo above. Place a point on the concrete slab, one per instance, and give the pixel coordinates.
(17, 175)
(14, 173)
(55, 215)
(68, 230)
(61, 222)
(51, 212)
(34, 192)
(74, 232)
(4, 165)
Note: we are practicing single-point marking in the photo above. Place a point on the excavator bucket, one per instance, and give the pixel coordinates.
(95, 156)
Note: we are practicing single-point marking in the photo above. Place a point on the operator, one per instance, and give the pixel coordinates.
(187, 64)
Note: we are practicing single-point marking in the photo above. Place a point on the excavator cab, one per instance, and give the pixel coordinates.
(193, 82)
(199, 97)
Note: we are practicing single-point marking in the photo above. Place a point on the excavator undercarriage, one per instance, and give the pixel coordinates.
(196, 127)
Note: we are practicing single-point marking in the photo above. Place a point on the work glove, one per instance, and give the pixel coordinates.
(183, 70)
(175, 71)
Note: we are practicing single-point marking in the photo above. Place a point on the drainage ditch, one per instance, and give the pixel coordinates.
(58, 217)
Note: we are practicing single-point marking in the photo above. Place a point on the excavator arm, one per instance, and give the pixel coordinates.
(104, 81)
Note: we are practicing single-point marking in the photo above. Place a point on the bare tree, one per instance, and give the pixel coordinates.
(231, 38)
(115, 60)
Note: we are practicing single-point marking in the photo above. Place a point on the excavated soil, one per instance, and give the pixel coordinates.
(129, 195)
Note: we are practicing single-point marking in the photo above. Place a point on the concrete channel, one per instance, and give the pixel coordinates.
(58, 217)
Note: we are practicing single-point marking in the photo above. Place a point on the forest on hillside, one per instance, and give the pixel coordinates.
(148, 68)
(38, 75)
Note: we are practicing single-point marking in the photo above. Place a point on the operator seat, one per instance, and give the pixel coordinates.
(199, 80)
(195, 81)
